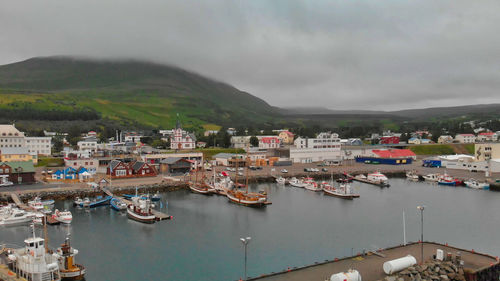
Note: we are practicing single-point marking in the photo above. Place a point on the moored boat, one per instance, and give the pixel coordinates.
(432, 177)
(281, 180)
(68, 269)
(250, 199)
(296, 182)
(141, 210)
(446, 179)
(34, 262)
(63, 217)
(156, 197)
(99, 201)
(344, 191)
(117, 204)
(14, 216)
(378, 178)
(312, 185)
(412, 175)
(201, 188)
(495, 185)
(472, 183)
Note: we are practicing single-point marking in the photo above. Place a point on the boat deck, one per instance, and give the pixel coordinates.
(159, 215)
(6, 274)
(370, 265)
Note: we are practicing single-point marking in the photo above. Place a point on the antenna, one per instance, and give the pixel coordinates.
(404, 228)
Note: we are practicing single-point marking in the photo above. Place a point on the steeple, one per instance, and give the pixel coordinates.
(178, 124)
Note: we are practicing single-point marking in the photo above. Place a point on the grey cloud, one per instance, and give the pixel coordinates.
(340, 54)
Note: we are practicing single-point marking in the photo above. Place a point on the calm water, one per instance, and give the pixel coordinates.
(299, 228)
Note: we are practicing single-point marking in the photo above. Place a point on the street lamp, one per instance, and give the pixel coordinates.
(421, 208)
(245, 242)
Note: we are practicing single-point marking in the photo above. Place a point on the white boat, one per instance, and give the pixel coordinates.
(281, 180)
(296, 182)
(432, 177)
(34, 262)
(141, 210)
(63, 217)
(312, 185)
(344, 191)
(377, 178)
(77, 201)
(360, 177)
(4, 180)
(15, 216)
(472, 183)
(41, 206)
(412, 175)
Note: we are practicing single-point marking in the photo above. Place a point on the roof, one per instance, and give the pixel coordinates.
(13, 150)
(394, 153)
(486, 134)
(10, 129)
(114, 163)
(26, 166)
(224, 155)
(137, 165)
(290, 134)
(411, 139)
(467, 135)
(269, 139)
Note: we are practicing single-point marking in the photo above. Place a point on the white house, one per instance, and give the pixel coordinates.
(39, 145)
(132, 137)
(240, 141)
(87, 145)
(486, 137)
(181, 139)
(267, 142)
(465, 138)
(414, 141)
(445, 139)
(10, 136)
(325, 147)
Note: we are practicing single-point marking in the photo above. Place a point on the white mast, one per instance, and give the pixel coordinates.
(404, 228)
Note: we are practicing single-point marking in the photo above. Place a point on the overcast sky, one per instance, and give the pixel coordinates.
(385, 54)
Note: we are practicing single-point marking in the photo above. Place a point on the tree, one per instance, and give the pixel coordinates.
(254, 141)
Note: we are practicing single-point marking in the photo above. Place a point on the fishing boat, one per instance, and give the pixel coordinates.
(68, 269)
(344, 191)
(13, 216)
(118, 204)
(156, 197)
(200, 186)
(41, 206)
(77, 201)
(312, 185)
(296, 182)
(141, 210)
(281, 180)
(34, 262)
(448, 180)
(344, 177)
(412, 175)
(472, 183)
(377, 178)
(99, 201)
(432, 177)
(63, 217)
(4, 180)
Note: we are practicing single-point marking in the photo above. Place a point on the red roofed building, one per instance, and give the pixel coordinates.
(286, 137)
(394, 153)
(389, 140)
(269, 142)
(483, 137)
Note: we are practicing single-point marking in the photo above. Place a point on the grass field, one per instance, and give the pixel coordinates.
(433, 149)
(50, 162)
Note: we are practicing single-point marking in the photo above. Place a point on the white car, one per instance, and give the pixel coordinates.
(240, 173)
(284, 171)
(240, 169)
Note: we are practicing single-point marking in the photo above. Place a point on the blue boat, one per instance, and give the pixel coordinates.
(99, 201)
(129, 196)
(156, 197)
(117, 204)
(449, 183)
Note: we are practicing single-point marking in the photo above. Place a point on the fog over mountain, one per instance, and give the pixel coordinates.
(366, 55)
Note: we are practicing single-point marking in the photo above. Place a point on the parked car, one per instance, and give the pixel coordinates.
(324, 170)
(240, 173)
(240, 169)
(314, 170)
(307, 169)
(284, 171)
(259, 168)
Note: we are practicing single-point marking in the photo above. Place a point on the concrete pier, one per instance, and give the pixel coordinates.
(370, 265)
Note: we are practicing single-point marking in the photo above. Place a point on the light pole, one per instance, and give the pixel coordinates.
(245, 242)
(421, 208)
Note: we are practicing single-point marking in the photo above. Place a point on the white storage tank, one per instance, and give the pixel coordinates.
(396, 265)
(351, 275)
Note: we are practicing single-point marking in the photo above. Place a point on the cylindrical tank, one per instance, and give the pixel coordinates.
(396, 265)
(351, 275)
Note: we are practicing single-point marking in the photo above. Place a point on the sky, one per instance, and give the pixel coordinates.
(352, 54)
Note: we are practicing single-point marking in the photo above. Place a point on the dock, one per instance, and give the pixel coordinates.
(369, 182)
(159, 215)
(19, 203)
(370, 264)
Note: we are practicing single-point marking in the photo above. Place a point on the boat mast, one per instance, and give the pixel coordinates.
(46, 237)
(246, 170)
(236, 172)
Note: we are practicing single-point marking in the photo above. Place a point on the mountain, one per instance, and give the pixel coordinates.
(138, 92)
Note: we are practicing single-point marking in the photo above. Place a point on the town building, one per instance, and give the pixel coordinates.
(465, 138)
(222, 159)
(325, 147)
(39, 145)
(485, 137)
(181, 139)
(388, 156)
(90, 145)
(18, 172)
(17, 154)
(414, 141)
(286, 137)
(121, 169)
(143, 169)
(90, 165)
(486, 151)
(240, 141)
(10, 136)
(389, 140)
(175, 166)
(445, 139)
(201, 144)
(132, 137)
(210, 132)
(155, 159)
(269, 142)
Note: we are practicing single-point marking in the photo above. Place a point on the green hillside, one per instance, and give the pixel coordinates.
(126, 91)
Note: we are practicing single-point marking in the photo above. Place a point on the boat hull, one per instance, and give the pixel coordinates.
(72, 275)
(340, 195)
(447, 183)
(203, 191)
(248, 203)
(140, 218)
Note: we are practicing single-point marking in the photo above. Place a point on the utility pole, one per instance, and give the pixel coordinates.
(245, 242)
(421, 208)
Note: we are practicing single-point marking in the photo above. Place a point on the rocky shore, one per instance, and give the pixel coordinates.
(430, 271)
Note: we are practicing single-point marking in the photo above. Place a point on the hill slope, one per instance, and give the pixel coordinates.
(137, 92)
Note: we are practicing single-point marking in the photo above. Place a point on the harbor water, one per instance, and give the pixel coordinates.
(301, 227)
